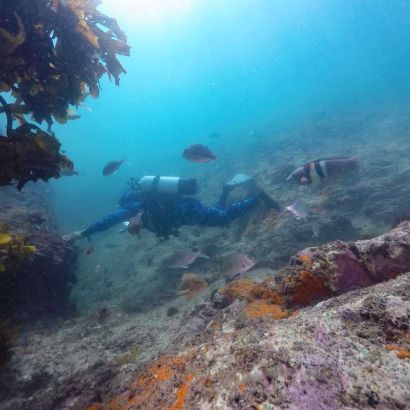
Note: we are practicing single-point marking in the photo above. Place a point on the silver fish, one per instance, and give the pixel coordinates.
(237, 264)
(184, 258)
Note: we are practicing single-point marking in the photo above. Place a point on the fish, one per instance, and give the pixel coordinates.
(112, 167)
(191, 285)
(89, 250)
(298, 209)
(68, 172)
(316, 171)
(198, 153)
(135, 223)
(184, 258)
(237, 264)
(315, 229)
(214, 135)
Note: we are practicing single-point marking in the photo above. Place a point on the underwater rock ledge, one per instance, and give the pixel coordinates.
(36, 284)
(249, 348)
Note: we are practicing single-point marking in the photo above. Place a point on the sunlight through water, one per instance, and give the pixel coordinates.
(147, 12)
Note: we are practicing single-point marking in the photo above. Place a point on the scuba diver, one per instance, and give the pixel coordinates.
(167, 203)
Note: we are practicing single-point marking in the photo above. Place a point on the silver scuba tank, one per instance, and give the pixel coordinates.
(168, 185)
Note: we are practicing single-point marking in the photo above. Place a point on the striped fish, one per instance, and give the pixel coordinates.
(316, 171)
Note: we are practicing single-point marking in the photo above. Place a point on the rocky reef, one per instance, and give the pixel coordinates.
(328, 331)
(37, 277)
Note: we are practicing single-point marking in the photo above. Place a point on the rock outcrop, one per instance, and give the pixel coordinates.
(36, 285)
(267, 346)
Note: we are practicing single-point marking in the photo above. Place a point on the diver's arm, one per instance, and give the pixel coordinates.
(120, 215)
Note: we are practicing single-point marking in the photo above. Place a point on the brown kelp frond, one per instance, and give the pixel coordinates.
(53, 54)
(29, 154)
(60, 51)
(9, 41)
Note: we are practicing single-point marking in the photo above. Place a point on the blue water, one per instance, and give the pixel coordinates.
(228, 67)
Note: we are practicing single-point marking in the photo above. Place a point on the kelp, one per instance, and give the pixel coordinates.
(13, 249)
(29, 154)
(53, 54)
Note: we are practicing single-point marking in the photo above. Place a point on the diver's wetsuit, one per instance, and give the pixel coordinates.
(184, 210)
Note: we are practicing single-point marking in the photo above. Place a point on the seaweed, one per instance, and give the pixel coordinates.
(13, 249)
(53, 54)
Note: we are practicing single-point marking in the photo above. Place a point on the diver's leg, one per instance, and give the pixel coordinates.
(194, 213)
(226, 190)
(254, 191)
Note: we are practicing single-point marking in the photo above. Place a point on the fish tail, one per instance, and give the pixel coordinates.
(202, 254)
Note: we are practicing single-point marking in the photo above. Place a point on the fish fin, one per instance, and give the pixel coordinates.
(179, 293)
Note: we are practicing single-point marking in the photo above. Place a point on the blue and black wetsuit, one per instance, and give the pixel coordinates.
(165, 215)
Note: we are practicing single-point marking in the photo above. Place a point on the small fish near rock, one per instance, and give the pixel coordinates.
(198, 153)
(112, 167)
(191, 285)
(182, 259)
(318, 170)
(237, 264)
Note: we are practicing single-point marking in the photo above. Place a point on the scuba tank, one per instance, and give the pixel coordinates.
(159, 197)
(168, 185)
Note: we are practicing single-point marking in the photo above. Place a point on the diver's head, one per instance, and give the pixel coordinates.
(168, 185)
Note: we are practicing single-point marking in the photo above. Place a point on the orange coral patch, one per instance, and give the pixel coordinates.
(392, 347)
(163, 373)
(95, 406)
(260, 308)
(306, 260)
(145, 387)
(309, 288)
(239, 289)
(403, 354)
(182, 393)
(248, 289)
